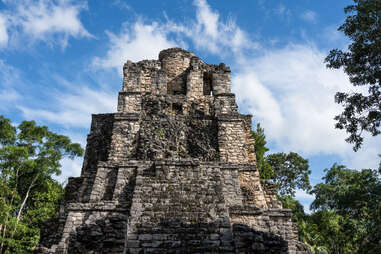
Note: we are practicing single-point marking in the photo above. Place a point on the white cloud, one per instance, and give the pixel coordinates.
(301, 194)
(283, 11)
(305, 199)
(291, 93)
(8, 97)
(207, 19)
(121, 4)
(365, 157)
(337, 38)
(212, 34)
(3, 32)
(70, 168)
(43, 20)
(309, 16)
(9, 75)
(74, 109)
(300, 89)
(141, 40)
(255, 97)
(10, 85)
(136, 42)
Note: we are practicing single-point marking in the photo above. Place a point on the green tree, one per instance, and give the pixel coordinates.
(29, 156)
(325, 234)
(362, 62)
(355, 197)
(309, 226)
(264, 168)
(287, 171)
(291, 172)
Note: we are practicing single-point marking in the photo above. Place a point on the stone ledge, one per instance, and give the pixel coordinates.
(225, 95)
(237, 117)
(255, 210)
(129, 92)
(118, 116)
(191, 117)
(245, 210)
(98, 206)
(170, 51)
(177, 162)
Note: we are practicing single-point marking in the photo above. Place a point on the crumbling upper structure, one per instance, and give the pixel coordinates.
(173, 171)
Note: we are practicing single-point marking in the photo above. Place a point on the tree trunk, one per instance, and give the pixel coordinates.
(23, 204)
(1, 229)
(2, 240)
(6, 218)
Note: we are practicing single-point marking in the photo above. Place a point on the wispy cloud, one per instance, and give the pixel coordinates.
(283, 12)
(70, 168)
(331, 35)
(305, 199)
(134, 42)
(309, 16)
(301, 194)
(211, 33)
(300, 89)
(121, 4)
(141, 40)
(3, 31)
(74, 108)
(291, 93)
(52, 22)
(10, 80)
(9, 75)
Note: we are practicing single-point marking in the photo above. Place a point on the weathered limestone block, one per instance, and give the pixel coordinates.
(231, 139)
(159, 82)
(174, 62)
(173, 171)
(221, 80)
(123, 141)
(137, 77)
(224, 103)
(249, 140)
(129, 102)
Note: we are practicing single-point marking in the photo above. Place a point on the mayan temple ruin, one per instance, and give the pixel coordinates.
(173, 171)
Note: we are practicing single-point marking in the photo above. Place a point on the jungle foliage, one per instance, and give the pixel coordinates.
(346, 213)
(362, 63)
(30, 156)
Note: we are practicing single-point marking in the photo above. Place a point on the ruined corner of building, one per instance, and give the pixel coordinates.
(172, 171)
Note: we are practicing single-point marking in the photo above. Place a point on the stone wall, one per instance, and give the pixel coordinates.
(167, 206)
(129, 102)
(173, 171)
(231, 140)
(179, 197)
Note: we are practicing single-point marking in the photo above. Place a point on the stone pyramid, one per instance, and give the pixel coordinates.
(173, 171)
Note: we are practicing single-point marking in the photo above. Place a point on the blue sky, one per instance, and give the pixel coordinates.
(61, 61)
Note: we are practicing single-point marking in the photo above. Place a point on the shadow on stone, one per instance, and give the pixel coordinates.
(107, 235)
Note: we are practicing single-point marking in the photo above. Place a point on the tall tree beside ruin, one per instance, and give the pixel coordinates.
(264, 168)
(29, 156)
(289, 171)
(362, 63)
